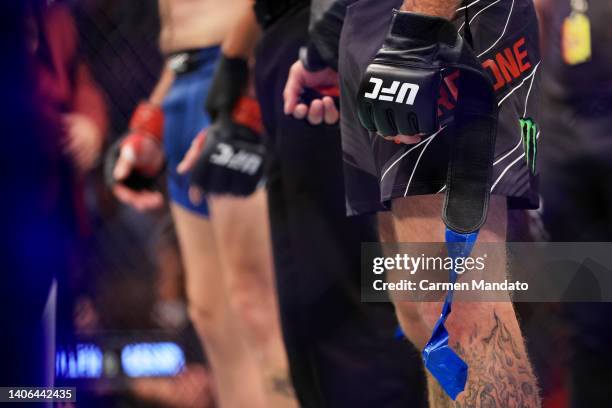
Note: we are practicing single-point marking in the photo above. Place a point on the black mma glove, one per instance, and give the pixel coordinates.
(399, 94)
(322, 50)
(229, 84)
(233, 157)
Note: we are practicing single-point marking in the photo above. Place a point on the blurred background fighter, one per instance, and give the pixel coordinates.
(228, 267)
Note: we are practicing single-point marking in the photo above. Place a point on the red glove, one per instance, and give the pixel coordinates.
(148, 118)
(141, 161)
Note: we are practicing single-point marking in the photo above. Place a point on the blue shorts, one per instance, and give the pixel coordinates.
(184, 117)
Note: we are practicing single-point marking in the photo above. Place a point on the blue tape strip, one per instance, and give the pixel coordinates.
(442, 362)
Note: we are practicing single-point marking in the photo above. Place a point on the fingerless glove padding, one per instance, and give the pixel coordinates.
(231, 162)
(135, 180)
(229, 83)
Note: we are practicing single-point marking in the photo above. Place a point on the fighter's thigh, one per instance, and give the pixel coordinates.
(242, 231)
(418, 219)
(386, 229)
(204, 285)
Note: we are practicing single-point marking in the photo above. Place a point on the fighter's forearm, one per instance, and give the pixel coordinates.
(241, 39)
(325, 34)
(440, 8)
(162, 87)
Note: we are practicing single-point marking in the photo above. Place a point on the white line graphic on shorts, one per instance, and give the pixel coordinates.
(502, 34)
(521, 84)
(510, 152)
(408, 151)
(417, 162)
(469, 5)
(500, 160)
(476, 15)
(503, 173)
(527, 97)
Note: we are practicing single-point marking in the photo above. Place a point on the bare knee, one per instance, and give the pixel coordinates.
(246, 264)
(207, 318)
(252, 303)
(249, 309)
(481, 317)
(417, 319)
(249, 281)
(244, 249)
(386, 230)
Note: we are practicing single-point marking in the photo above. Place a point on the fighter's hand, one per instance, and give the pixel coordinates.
(399, 92)
(320, 110)
(231, 155)
(139, 157)
(193, 154)
(84, 141)
(134, 163)
(189, 160)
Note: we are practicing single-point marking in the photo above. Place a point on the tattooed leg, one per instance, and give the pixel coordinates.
(437, 396)
(500, 374)
(486, 335)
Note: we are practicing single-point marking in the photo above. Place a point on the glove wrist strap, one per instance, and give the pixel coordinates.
(429, 29)
(149, 119)
(311, 59)
(247, 113)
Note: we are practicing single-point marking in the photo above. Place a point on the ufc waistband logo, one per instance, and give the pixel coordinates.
(242, 161)
(395, 93)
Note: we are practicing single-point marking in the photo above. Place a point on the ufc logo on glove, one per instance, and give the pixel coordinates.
(241, 161)
(391, 93)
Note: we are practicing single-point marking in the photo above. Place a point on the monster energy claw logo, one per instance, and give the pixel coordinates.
(529, 132)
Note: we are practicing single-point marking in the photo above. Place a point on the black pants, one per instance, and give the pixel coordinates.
(342, 353)
(577, 197)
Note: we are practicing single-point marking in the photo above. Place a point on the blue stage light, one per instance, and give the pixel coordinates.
(152, 359)
(85, 361)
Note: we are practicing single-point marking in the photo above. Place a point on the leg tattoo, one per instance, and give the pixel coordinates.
(500, 375)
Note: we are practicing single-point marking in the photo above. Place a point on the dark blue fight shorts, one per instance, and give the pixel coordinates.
(185, 116)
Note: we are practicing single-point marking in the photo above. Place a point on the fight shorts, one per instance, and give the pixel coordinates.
(185, 117)
(505, 39)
